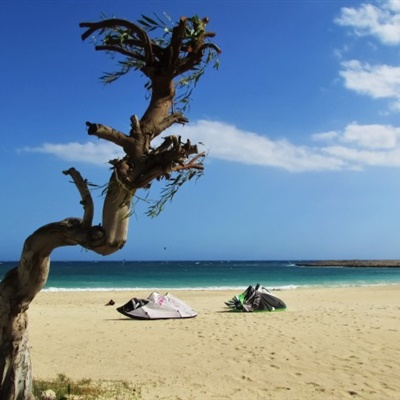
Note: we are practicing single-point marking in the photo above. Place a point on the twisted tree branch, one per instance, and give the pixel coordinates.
(178, 34)
(120, 50)
(87, 200)
(113, 23)
(172, 119)
(128, 143)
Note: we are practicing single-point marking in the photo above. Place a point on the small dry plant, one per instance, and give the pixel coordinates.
(86, 389)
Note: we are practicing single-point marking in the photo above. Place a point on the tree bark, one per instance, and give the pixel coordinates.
(137, 169)
(20, 285)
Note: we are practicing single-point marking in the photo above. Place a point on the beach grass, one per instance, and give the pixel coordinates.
(66, 388)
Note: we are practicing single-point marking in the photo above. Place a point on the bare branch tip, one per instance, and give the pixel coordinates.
(69, 171)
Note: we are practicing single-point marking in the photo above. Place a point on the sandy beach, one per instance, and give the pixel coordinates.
(336, 343)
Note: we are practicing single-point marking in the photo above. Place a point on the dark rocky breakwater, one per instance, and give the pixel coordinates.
(351, 263)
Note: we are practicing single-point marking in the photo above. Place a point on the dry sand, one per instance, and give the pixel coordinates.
(336, 343)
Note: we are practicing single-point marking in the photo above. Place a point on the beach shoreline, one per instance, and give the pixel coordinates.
(329, 343)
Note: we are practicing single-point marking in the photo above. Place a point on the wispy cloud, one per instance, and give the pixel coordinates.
(97, 153)
(370, 136)
(361, 146)
(376, 81)
(226, 142)
(381, 21)
(361, 158)
(353, 148)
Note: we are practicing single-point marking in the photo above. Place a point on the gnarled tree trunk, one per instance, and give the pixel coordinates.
(137, 169)
(20, 285)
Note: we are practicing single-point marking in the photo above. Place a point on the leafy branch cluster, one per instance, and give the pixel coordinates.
(129, 43)
(173, 62)
(170, 189)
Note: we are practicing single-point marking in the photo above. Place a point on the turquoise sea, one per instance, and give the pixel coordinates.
(136, 275)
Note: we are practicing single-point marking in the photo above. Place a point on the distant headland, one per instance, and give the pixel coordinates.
(351, 263)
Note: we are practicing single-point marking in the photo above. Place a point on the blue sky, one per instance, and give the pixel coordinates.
(302, 123)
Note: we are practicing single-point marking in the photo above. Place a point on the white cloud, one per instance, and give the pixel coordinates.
(339, 53)
(325, 136)
(360, 146)
(376, 81)
(381, 21)
(226, 142)
(97, 153)
(371, 136)
(353, 148)
(359, 158)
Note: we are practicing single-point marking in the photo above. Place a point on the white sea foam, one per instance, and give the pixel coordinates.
(132, 289)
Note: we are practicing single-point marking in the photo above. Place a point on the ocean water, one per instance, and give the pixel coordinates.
(135, 275)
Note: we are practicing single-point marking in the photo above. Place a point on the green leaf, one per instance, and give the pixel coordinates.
(144, 23)
(151, 21)
(170, 189)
